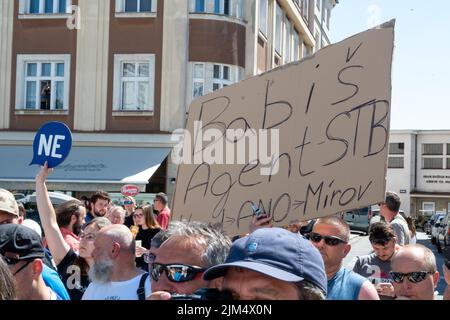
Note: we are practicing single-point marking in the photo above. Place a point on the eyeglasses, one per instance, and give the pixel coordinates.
(176, 272)
(329, 240)
(13, 261)
(22, 267)
(414, 277)
(87, 236)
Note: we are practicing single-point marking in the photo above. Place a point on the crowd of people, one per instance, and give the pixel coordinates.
(93, 250)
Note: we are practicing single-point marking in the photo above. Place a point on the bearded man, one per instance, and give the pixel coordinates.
(114, 274)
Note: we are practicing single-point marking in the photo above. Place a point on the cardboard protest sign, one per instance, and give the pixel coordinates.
(305, 140)
(52, 143)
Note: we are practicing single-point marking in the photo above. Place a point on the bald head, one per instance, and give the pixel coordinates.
(415, 254)
(121, 235)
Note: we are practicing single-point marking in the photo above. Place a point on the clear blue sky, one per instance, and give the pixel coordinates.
(421, 65)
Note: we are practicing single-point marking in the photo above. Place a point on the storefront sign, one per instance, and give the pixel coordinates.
(129, 190)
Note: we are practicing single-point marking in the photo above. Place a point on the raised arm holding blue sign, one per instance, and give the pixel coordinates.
(52, 143)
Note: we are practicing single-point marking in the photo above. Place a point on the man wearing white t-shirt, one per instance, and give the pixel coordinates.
(114, 274)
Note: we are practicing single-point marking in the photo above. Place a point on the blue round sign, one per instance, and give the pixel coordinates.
(52, 143)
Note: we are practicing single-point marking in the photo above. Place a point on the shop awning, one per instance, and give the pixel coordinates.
(85, 169)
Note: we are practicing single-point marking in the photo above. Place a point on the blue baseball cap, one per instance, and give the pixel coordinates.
(277, 253)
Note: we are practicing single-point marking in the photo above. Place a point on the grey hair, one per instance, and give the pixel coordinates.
(210, 237)
(309, 291)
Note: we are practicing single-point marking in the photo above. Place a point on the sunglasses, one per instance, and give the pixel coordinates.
(13, 261)
(137, 215)
(413, 277)
(22, 267)
(176, 272)
(329, 240)
(128, 202)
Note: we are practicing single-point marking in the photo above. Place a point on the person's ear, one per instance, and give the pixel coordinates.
(73, 219)
(115, 250)
(36, 268)
(436, 278)
(347, 249)
(216, 283)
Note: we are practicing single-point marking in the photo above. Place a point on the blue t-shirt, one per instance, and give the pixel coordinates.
(53, 281)
(345, 285)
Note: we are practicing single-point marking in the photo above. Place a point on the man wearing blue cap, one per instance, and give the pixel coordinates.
(272, 264)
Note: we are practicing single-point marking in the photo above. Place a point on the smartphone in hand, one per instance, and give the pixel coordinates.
(258, 212)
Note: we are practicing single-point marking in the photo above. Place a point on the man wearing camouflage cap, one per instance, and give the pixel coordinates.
(9, 210)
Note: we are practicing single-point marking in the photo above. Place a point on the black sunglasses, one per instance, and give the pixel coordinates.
(13, 261)
(414, 277)
(329, 240)
(175, 272)
(10, 261)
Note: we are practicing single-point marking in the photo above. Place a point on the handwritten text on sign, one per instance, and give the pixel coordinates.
(330, 116)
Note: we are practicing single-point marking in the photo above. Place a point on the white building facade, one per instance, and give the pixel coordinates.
(419, 170)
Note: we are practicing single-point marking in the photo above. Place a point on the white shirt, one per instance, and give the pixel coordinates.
(118, 290)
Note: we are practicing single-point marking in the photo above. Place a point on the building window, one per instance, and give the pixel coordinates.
(233, 8)
(44, 6)
(397, 148)
(395, 162)
(42, 82)
(208, 77)
(296, 45)
(263, 10)
(448, 163)
(432, 163)
(278, 28)
(428, 207)
(134, 82)
(199, 80)
(222, 7)
(287, 40)
(448, 149)
(199, 6)
(305, 50)
(327, 17)
(305, 9)
(136, 6)
(221, 77)
(317, 44)
(432, 149)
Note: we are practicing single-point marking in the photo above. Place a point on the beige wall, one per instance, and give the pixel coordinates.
(6, 33)
(92, 66)
(174, 64)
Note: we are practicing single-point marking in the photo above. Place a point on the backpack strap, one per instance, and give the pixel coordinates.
(141, 290)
